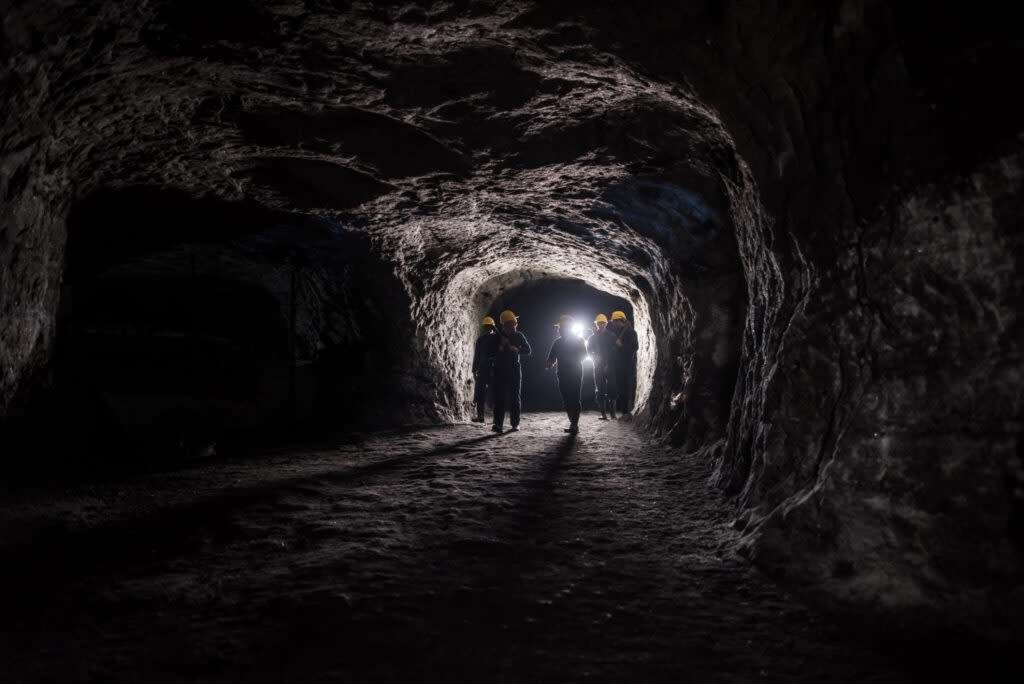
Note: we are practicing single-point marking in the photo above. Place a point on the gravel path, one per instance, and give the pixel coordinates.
(444, 553)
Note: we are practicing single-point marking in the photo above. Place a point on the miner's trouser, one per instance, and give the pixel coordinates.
(604, 380)
(508, 396)
(570, 386)
(624, 386)
(483, 379)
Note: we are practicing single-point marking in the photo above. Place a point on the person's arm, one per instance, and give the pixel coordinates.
(634, 341)
(524, 348)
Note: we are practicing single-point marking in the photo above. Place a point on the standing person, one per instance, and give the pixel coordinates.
(483, 359)
(511, 345)
(601, 345)
(587, 336)
(567, 352)
(624, 359)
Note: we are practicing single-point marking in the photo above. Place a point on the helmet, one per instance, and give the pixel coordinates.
(618, 316)
(564, 320)
(488, 320)
(601, 318)
(507, 317)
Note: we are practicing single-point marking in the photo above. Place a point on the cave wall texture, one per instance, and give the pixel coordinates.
(815, 212)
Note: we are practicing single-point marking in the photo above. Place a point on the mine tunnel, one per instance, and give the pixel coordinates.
(245, 254)
(539, 301)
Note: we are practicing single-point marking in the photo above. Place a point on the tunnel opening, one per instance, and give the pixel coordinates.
(482, 289)
(539, 303)
(667, 245)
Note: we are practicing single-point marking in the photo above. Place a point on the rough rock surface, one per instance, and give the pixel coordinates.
(424, 555)
(814, 211)
(916, 482)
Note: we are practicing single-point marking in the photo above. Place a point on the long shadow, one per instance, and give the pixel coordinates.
(46, 473)
(477, 601)
(531, 512)
(490, 599)
(54, 554)
(533, 506)
(356, 437)
(390, 463)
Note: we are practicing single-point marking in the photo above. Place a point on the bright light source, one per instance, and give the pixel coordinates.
(589, 359)
(577, 329)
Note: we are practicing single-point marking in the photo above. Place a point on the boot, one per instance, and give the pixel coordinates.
(479, 418)
(611, 409)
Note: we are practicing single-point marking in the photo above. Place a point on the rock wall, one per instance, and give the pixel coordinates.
(31, 262)
(856, 124)
(814, 210)
(901, 482)
(461, 146)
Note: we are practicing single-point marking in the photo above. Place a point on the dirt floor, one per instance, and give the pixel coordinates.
(444, 553)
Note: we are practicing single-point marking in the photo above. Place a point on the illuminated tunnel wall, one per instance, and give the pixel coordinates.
(815, 215)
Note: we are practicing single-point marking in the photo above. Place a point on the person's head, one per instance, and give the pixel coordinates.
(618, 319)
(601, 322)
(565, 325)
(509, 321)
(488, 325)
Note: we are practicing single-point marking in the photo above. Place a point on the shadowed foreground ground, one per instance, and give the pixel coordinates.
(442, 553)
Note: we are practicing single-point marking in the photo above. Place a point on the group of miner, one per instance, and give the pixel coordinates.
(497, 365)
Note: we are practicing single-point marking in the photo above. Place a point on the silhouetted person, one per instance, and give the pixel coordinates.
(483, 360)
(567, 353)
(587, 335)
(601, 345)
(510, 346)
(624, 360)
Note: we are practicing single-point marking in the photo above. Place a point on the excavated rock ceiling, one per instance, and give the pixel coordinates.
(392, 166)
(380, 118)
(469, 143)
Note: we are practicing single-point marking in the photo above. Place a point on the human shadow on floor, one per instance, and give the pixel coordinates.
(53, 553)
(513, 533)
(490, 593)
(477, 598)
(389, 463)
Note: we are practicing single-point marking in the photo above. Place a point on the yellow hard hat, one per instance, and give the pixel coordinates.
(507, 317)
(488, 320)
(618, 316)
(564, 320)
(601, 318)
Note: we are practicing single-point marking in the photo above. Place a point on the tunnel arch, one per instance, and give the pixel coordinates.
(682, 277)
(826, 129)
(486, 291)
